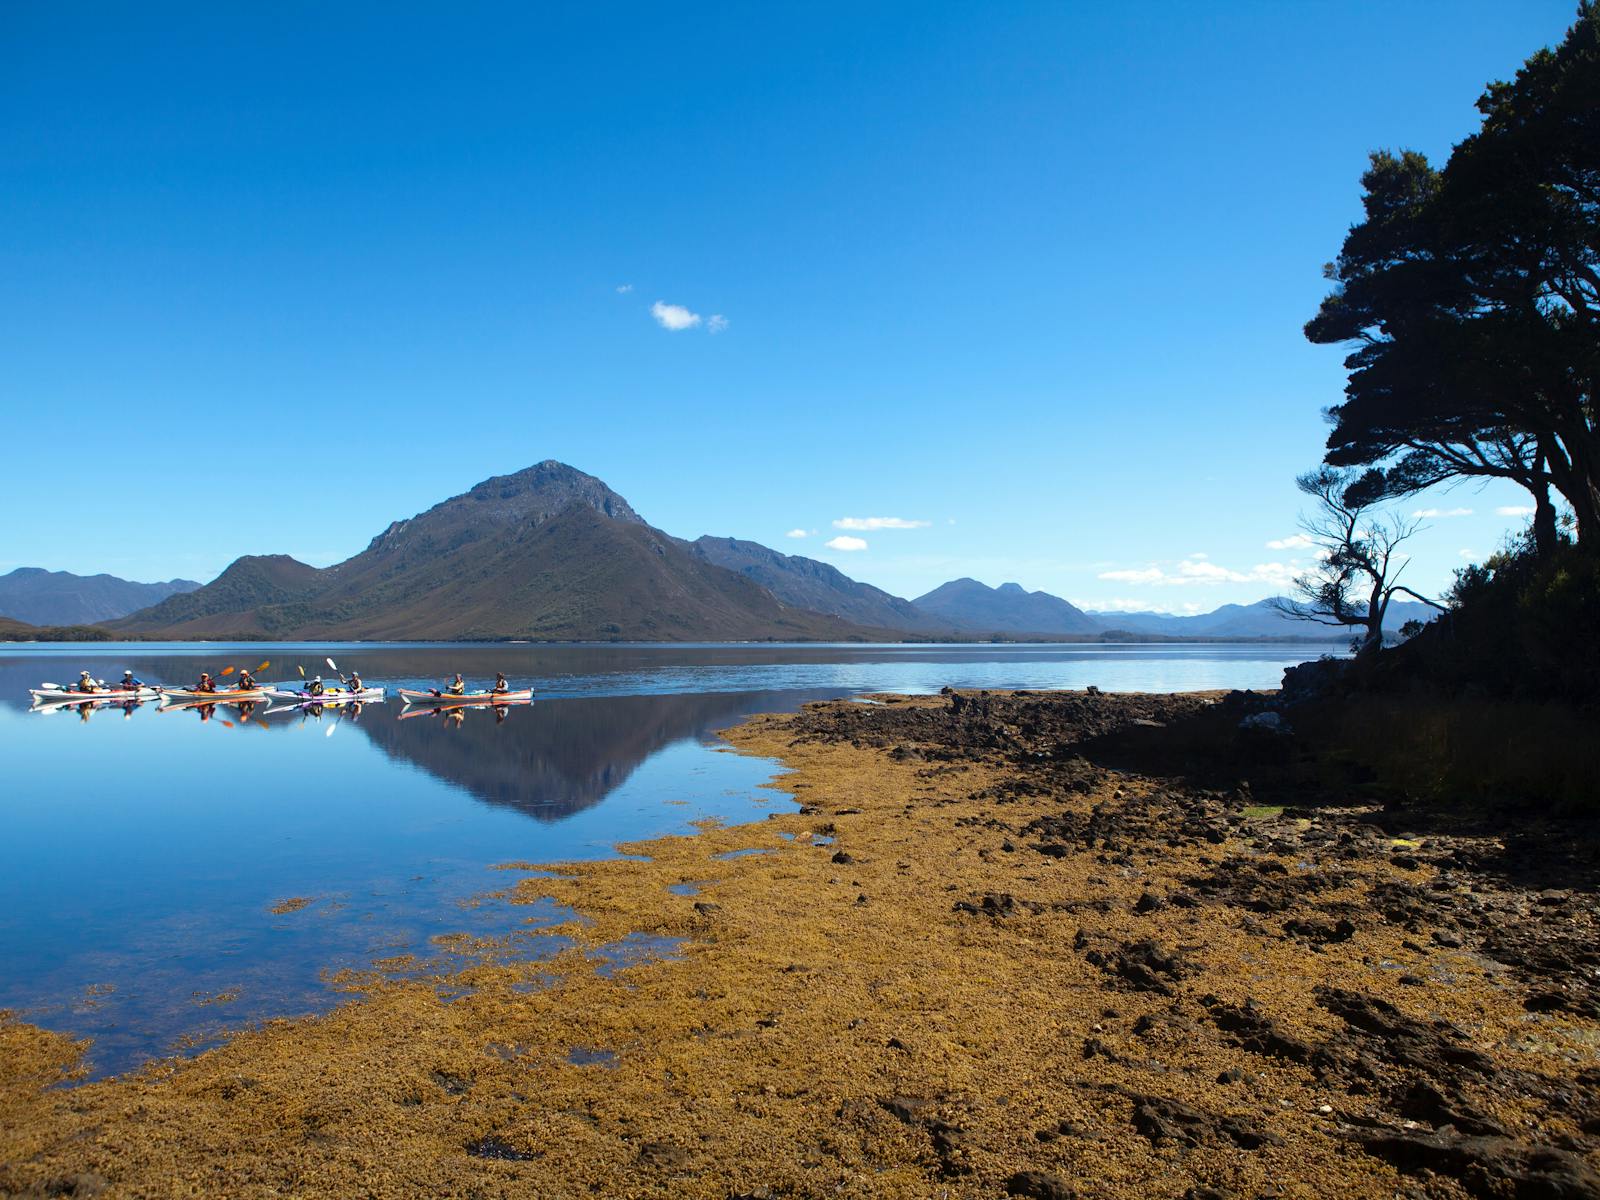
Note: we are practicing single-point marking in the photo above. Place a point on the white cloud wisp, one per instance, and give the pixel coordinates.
(868, 524)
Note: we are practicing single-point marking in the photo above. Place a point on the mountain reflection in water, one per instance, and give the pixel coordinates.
(562, 756)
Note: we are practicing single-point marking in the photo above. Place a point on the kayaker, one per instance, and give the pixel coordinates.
(456, 687)
(86, 683)
(500, 684)
(354, 684)
(206, 684)
(247, 681)
(129, 683)
(315, 688)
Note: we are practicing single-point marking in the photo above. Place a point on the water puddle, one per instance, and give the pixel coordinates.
(588, 1056)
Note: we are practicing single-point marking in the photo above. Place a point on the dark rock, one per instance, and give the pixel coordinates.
(1488, 1166)
(664, 1156)
(842, 858)
(498, 1149)
(1253, 1030)
(1145, 966)
(992, 905)
(1039, 1186)
(906, 1109)
(1173, 1122)
(1321, 933)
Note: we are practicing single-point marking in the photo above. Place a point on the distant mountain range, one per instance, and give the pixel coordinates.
(553, 554)
(39, 597)
(1008, 609)
(1259, 620)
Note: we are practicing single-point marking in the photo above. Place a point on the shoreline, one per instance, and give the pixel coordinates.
(1019, 964)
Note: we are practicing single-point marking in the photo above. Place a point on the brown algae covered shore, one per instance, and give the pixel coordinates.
(1043, 945)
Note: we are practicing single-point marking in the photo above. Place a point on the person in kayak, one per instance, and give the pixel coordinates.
(456, 687)
(315, 688)
(129, 683)
(500, 684)
(354, 684)
(247, 681)
(86, 683)
(206, 684)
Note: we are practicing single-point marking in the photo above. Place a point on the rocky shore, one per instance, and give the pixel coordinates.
(1042, 945)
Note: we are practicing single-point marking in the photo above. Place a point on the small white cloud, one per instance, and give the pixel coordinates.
(1469, 555)
(1138, 575)
(1515, 510)
(624, 288)
(1441, 513)
(1194, 570)
(1199, 554)
(717, 323)
(846, 543)
(796, 533)
(1295, 541)
(674, 317)
(867, 524)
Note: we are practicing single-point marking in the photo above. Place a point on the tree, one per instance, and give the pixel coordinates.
(1472, 297)
(1358, 568)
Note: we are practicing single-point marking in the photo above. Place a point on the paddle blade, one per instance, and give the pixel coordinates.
(226, 671)
(263, 666)
(332, 666)
(226, 724)
(302, 671)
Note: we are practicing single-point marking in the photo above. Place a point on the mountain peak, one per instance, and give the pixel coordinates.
(529, 497)
(546, 488)
(1012, 589)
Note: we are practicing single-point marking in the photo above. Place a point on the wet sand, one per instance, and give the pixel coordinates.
(1006, 947)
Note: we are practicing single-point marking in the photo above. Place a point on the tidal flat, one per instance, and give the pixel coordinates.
(1046, 944)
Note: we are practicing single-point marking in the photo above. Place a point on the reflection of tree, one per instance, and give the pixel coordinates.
(558, 757)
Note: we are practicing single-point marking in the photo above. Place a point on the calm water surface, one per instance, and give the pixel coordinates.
(144, 851)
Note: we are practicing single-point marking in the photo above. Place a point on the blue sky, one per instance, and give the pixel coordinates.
(1030, 274)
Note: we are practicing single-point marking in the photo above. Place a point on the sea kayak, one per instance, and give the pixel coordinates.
(411, 697)
(63, 695)
(330, 696)
(176, 695)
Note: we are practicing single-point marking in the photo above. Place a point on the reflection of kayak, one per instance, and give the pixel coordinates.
(54, 706)
(429, 698)
(441, 710)
(218, 697)
(330, 696)
(61, 695)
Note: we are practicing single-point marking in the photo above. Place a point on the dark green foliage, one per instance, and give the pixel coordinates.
(18, 631)
(1472, 296)
(1521, 625)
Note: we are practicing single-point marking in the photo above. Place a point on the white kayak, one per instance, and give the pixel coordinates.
(412, 697)
(328, 696)
(61, 695)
